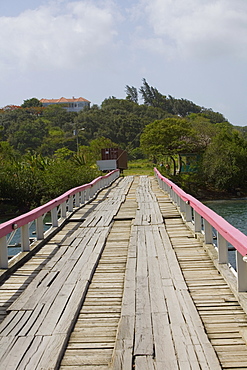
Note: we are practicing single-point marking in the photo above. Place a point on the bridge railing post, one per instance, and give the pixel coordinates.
(208, 232)
(241, 272)
(172, 194)
(54, 217)
(71, 203)
(188, 212)
(176, 199)
(80, 198)
(87, 194)
(83, 196)
(3, 253)
(197, 222)
(182, 206)
(91, 192)
(222, 248)
(64, 209)
(39, 228)
(77, 199)
(25, 243)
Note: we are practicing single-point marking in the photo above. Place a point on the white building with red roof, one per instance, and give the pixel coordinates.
(71, 105)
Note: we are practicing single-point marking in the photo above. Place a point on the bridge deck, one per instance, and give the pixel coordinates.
(123, 285)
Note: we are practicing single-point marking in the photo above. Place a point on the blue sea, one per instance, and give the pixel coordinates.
(14, 247)
(233, 211)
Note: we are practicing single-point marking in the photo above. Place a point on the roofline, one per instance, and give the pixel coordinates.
(64, 100)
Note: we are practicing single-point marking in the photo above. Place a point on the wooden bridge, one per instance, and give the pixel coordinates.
(127, 281)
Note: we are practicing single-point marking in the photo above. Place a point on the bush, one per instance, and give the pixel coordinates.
(65, 175)
(27, 184)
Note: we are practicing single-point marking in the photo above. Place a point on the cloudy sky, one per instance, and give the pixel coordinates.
(192, 49)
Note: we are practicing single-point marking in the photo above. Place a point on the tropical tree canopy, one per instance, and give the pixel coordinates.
(168, 136)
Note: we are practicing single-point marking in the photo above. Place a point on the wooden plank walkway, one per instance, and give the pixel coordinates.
(34, 333)
(157, 329)
(124, 285)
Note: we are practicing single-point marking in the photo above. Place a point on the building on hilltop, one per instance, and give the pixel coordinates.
(71, 105)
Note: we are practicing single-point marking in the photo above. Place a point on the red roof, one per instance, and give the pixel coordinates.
(64, 100)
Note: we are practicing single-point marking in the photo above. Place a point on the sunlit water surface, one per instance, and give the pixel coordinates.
(233, 211)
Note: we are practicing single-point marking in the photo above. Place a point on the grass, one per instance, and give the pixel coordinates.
(139, 167)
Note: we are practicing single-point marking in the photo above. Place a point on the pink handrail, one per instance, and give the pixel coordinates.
(229, 232)
(8, 226)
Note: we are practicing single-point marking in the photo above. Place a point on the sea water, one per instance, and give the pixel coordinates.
(14, 247)
(233, 211)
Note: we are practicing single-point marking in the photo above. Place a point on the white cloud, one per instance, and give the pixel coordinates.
(201, 28)
(59, 35)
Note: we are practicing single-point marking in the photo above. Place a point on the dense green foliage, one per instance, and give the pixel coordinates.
(220, 151)
(31, 180)
(46, 151)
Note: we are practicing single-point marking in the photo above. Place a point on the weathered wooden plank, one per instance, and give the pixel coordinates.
(10, 328)
(31, 357)
(13, 357)
(6, 343)
(86, 367)
(144, 363)
(164, 345)
(52, 355)
(18, 304)
(87, 358)
(143, 324)
(123, 353)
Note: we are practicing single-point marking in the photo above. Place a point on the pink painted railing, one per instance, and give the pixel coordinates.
(205, 220)
(60, 208)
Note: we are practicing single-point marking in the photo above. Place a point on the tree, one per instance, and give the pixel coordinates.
(100, 143)
(225, 160)
(33, 102)
(150, 95)
(183, 107)
(170, 136)
(205, 130)
(132, 93)
(58, 116)
(7, 153)
(28, 135)
(214, 117)
(180, 107)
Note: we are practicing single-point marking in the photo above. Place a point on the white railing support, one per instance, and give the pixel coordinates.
(208, 232)
(182, 206)
(39, 228)
(54, 218)
(77, 199)
(25, 244)
(197, 222)
(188, 212)
(80, 197)
(241, 273)
(87, 194)
(64, 209)
(71, 201)
(83, 197)
(222, 248)
(3, 253)
(92, 191)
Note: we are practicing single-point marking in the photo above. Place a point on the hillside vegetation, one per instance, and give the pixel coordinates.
(46, 151)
